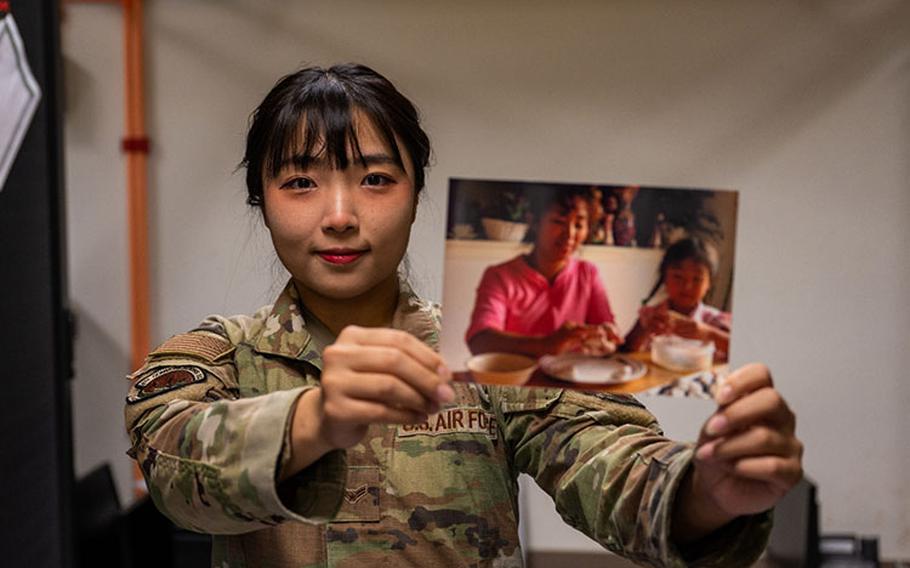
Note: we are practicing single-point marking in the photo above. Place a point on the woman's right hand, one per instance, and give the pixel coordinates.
(574, 337)
(370, 375)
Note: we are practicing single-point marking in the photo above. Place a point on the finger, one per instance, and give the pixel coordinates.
(392, 361)
(757, 441)
(765, 406)
(783, 472)
(367, 412)
(391, 391)
(585, 332)
(746, 379)
(418, 350)
(613, 333)
(598, 348)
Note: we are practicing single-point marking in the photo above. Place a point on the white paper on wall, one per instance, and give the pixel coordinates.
(19, 95)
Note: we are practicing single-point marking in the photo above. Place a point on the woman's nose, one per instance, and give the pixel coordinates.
(341, 211)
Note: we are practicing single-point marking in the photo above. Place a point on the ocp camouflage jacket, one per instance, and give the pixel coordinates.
(209, 416)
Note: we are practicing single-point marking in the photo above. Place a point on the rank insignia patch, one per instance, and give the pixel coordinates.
(354, 495)
(163, 380)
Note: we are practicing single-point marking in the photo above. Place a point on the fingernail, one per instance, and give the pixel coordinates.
(444, 372)
(705, 452)
(445, 393)
(716, 425)
(725, 394)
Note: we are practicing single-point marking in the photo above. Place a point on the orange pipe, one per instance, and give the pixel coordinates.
(135, 144)
(136, 147)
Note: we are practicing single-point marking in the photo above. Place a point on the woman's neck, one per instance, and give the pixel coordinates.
(374, 308)
(548, 268)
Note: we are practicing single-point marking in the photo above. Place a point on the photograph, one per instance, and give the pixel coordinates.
(592, 286)
(451, 284)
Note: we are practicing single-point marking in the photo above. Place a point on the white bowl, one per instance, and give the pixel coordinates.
(501, 368)
(501, 230)
(681, 354)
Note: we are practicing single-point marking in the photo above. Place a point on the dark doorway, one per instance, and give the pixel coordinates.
(36, 474)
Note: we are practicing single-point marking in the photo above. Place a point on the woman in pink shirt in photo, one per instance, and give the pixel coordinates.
(547, 301)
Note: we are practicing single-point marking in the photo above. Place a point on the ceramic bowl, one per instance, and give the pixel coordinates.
(501, 368)
(681, 354)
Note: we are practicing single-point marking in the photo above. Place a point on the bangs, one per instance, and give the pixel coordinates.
(313, 115)
(321, 124)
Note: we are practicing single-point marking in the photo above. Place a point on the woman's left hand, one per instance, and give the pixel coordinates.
(747, 457)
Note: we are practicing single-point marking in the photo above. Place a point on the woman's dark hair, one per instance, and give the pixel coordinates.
(686, 248)
(324, 101)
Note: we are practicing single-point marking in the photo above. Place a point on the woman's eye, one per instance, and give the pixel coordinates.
(377, 180)
(298, 183)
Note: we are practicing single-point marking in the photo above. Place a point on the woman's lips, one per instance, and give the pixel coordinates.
(340, 256)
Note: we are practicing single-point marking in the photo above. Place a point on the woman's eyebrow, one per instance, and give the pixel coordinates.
(378, 159)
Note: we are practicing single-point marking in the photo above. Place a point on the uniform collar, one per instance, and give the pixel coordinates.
(285, 334)
(417, 316)
(284, 331)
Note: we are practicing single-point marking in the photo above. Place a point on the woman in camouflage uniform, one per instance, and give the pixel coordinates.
(324, 430)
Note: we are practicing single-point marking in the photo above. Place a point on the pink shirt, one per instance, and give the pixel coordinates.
(514, 297)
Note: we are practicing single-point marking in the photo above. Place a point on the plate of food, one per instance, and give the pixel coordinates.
(588, 370)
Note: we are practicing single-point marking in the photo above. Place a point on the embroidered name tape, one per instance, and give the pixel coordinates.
(159, 381)
(452, 420)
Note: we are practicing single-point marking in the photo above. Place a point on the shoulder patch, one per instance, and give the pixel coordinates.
(208, 347)
(159, 381)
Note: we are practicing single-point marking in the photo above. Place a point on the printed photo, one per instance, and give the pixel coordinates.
(607, 287)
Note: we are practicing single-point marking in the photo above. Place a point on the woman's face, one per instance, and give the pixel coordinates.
(687, 284)
(559, 233)
(342, 233)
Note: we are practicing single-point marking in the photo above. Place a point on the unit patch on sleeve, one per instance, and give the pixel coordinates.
(209, 347)
(163, 380)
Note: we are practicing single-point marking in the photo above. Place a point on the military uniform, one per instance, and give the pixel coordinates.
(209, 419)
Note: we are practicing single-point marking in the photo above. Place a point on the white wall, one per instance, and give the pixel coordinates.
(803, 106)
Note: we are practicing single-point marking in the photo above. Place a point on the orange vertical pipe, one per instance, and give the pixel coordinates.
(135, 144)
(136, 148)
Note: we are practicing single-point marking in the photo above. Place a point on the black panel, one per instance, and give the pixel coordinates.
(35, 433)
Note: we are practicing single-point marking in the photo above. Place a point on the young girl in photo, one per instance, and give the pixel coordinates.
(686, 272)
(547, 301)
(325, 430)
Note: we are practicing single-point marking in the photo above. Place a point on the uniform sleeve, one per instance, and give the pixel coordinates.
(614, 476)
(598, 304)
(490, 305)
(211, 459)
